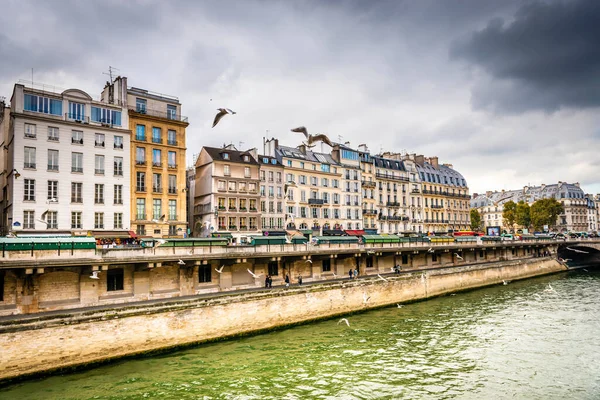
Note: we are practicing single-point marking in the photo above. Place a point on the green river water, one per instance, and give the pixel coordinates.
(521, 340)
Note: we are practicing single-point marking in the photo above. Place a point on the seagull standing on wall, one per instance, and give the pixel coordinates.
(222, 112)
(311, 140)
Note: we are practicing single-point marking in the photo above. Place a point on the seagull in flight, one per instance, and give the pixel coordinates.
(94, 275)
(160, 242)
(585, 270)
(504, 282)
(578, 251)
(431, 250)
(370, 252)
(222, 112)
(382, 278)
(458, 256)
(253, 274)
(220, 270)
(191, 252)
(399, 305)
(366, 298)
(311, 140)
(550, 289)
(181, 262)
(344, 320)
(309, 261)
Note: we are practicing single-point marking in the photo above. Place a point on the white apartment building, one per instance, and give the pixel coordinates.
(67, 164)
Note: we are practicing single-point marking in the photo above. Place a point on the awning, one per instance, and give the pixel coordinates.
(371, 231)
(112, 234)
(306, 231)
(356, 232)
(133, 234)
(222, 235)
(333, 232)
(274, 233)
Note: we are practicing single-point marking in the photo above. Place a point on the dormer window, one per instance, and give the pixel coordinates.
(225, 156)
(265, 160)
(246, 158)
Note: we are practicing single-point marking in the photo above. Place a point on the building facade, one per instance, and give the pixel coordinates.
(226, 198)
(67, 164)
(350, 178)
(368, 186)
(157, 151)
(272, 202)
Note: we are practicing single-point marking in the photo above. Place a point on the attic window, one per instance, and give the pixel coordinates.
(273, 161)
(246, 158)
(265, 160)
(225, 156)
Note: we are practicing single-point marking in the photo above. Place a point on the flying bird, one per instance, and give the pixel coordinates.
(43, 216)
(504, 282)
(370, 252)
(382, 278)
(366, 298)
(585, 270)
(344, 320)
(253, 274)
(431, 250)
(399, 305)
(458, 256)
(309, 261)
(181, 262)
(160, 242)
(577, 251)
(220, 270)
(94, 275)
(311, 140)
(550, 289)
(222, 112)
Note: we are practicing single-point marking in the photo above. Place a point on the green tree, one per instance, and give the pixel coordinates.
(509, 214)
(475, 219)
(522, 214)
(545, 212)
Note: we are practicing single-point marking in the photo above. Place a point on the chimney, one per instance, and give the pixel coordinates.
(577, 184)
(420, 159)
(448, 165)
(475, 195)
(434, 161)
(489, 193)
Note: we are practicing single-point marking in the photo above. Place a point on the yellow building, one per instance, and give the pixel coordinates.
(158, 180)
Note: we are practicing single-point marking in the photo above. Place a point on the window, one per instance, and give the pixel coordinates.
(118, 194)
(52, 160)
(53, 191)
(140, 209)
(29, 158)
(76, 162)
(53, 134)
(204, 274)
(140, 133)
(172, 230)
(99, 140)
(171, 112)
(41, 104)
(140, 105)
(225, 156)
(114, 279)
(226, 170)
(369, 262)
(118, 221)
(29, 190)
(289, 163)
(156, 158)
(247, 172)
(140, 156)
(172, 184)
(221, 185)
(156, 209)
(76, 220)
(156, 135)
(76, 111)
(157, 183)
(28, 219)
(99, 220)
(349, 155)
(76, 189)
(106, 116)
(140, 181)
(173, 210)
(326, 265)
(30, 131)
(118, 142)
(171, 159)
(118, 166)
(52, 219)
(172, 138)
(231, 186)
(99, 193)
(99, 165)
(77, 137)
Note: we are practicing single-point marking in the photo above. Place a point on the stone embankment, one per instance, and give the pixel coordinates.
(42, 343)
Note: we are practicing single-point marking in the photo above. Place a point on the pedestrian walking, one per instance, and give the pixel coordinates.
(270, 281)
(287, 280)
(350, 274)
(267, 281)
(299, 279)
(355, 273)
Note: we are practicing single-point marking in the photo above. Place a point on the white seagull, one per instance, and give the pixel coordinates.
(344, 320)
(309, 261)
(550, 289)
(366, 298)
(94, 275)
(370, 252)
(160, 242)
(220, 270)
(431, 250)
(222, 112)
(458, 256)
(504, 282)
(312, 139)
(399, 305)
(577, 251)
(382, 278)
(253, 274)
(181, 262)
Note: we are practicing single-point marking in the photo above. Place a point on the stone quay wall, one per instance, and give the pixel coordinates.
(38, 344)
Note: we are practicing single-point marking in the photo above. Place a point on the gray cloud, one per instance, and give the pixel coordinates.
(546, 58)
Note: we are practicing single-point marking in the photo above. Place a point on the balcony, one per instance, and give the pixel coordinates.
(140, 188)
(316, 202)
(172, 190)
(118, 146)
(172, 217)
(394, 204)
(77, 118)
(232, 227)
(157, 189)
(76, 141)
(368, 184)
(53, 138)
(140, 217)
(160, 114)
(172, 166)
(243, 228)
(98, 171)
(29, 165)
(243, 209)
(140, 162)
(172, 142)
(252, 209)
(232, 208)
(437, 206)
(157, 164)
(392, 177)
(76, 169)
(369, 212)
(415, 191)
(99, 144)
(140, 138)
(52, 167)
(157, 140)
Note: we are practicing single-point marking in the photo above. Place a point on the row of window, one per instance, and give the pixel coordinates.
(234, 204)
(140, 135)
(235, 223)
(233, 186)
(140, 157)
(157, 187)
(273, 177)
(51, 220)
(30, 161)
(272, 223)
(314, 167)
(141, 107)
(157, 210)
(29, 192)
(77, 136)
(435, 178)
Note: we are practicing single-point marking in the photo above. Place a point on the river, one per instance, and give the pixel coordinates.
(522, 340)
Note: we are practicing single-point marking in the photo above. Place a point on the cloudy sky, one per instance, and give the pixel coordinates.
(506, 91)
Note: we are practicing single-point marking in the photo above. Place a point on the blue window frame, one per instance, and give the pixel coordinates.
(156, 135)
(41, 104)
(76, 111)
(325, 167)
(349, 155)
(171, 112)
(140, 105)
(140, 132)
(106, 116)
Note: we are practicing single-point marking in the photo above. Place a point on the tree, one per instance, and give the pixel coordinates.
(475, 219)
(509, 214)
(522, 214)
(545, 212)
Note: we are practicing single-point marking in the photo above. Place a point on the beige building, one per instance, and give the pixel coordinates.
(350, 185)
(369, 187)
(226, 198)
(272, 202)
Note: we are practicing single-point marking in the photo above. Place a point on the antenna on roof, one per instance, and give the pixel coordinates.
(241, 143)
(110, 72)
(340, 138)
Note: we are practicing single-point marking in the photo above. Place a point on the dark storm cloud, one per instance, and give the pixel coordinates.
(546, 58)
